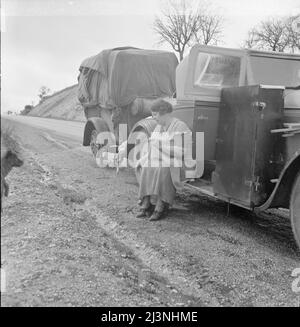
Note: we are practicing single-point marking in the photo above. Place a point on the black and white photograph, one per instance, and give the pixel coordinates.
(150, 156)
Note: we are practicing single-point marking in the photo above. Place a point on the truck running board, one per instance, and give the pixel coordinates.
(201, 186)
(206, 188)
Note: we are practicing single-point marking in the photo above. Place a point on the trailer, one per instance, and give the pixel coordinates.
(117, 87)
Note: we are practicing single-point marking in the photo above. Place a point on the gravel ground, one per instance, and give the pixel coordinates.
(69, 236)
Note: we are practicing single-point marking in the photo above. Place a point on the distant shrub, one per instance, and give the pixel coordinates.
(26, 110)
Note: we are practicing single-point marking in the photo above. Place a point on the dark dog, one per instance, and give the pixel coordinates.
(9, 161)
(9, 158)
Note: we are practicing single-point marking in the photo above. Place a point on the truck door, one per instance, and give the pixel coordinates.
(248, 155)
(209, 70)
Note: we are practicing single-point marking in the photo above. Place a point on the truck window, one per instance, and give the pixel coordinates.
(216, 70)
(274, 71)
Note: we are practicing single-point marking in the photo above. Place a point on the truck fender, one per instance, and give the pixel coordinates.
(280, 196)
(92, 123)
(147, 124)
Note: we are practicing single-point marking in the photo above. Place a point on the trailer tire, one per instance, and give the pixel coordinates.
(93, 127)
(295, 209)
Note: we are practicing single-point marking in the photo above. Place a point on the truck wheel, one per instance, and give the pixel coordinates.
(295, 209)
(132, 142)
(93, 143)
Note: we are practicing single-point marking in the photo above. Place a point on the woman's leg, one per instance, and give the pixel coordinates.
(159, 205)
(146, 202)
(145, 207)
(160, 210)
(157, 183)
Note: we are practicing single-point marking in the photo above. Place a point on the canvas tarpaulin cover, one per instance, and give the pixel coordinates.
(115, 78)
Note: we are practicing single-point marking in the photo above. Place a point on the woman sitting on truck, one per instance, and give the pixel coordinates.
(163, 165)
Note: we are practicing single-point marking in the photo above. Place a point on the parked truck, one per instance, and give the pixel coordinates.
(247, 104)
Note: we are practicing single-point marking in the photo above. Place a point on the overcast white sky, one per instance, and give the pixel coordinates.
(44, 41)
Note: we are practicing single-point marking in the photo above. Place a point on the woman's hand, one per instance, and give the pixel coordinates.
(139, 165)
(122, 152)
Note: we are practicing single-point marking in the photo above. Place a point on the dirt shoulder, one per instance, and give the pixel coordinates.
(55, 254)
(70, 237)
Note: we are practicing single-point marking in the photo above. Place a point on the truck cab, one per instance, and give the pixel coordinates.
(247, 104)
(206, 71)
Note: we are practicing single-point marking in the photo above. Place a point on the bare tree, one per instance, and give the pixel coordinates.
(275, 35)
(209, 29)
(43, 91)
(293, 31)
(181, 25)
(177, 26)
(251, 40)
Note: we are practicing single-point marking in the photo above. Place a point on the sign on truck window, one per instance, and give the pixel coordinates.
(216, 70)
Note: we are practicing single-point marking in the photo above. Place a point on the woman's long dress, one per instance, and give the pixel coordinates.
(161, 182)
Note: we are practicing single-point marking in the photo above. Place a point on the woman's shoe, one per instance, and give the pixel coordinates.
(149, 210)
(142, 214)
(157, 215)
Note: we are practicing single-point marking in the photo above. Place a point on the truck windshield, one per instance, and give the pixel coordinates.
(274, 71)
(216, 70)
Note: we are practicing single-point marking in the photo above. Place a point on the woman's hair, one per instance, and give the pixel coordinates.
(161, 106)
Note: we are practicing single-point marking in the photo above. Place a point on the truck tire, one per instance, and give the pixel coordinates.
(131, 146)
(93, 144)
(295, 209)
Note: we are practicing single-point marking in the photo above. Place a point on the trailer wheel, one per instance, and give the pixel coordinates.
(295, 209)
(93, 142)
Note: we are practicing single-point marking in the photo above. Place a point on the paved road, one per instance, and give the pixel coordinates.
(67, 128)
